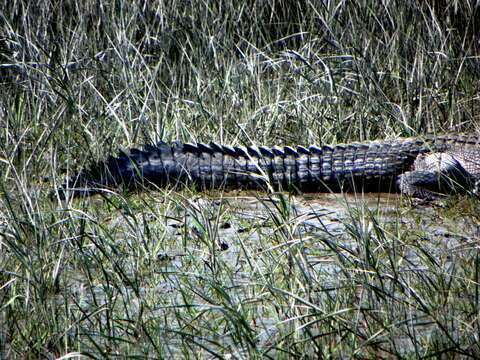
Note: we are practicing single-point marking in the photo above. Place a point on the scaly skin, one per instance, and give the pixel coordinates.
(369, 166)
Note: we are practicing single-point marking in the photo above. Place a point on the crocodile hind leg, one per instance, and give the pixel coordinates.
(436, 174)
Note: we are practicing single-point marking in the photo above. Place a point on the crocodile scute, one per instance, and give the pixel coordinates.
(416, 166)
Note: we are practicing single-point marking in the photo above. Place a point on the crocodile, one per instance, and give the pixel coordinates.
(418, 166)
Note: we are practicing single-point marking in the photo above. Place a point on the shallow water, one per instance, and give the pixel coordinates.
(251, 235)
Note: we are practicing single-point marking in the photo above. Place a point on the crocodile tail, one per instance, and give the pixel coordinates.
(131, 169)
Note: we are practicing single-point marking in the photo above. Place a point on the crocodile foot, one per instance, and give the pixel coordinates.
(436, 174)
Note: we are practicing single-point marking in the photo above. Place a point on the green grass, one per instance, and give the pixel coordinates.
(182, 273)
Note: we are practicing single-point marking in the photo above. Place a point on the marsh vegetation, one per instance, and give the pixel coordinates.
(202, 274)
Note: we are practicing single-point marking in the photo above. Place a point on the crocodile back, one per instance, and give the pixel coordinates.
(466, 150)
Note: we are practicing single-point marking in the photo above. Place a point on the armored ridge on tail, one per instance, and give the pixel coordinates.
(369, 166)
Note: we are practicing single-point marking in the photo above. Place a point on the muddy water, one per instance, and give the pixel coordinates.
(330, 212)
(310, 208)
(308, 214)
(232, 223)
(251, 233)
(325, 223)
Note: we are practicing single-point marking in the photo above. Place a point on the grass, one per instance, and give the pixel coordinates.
(182, 273)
